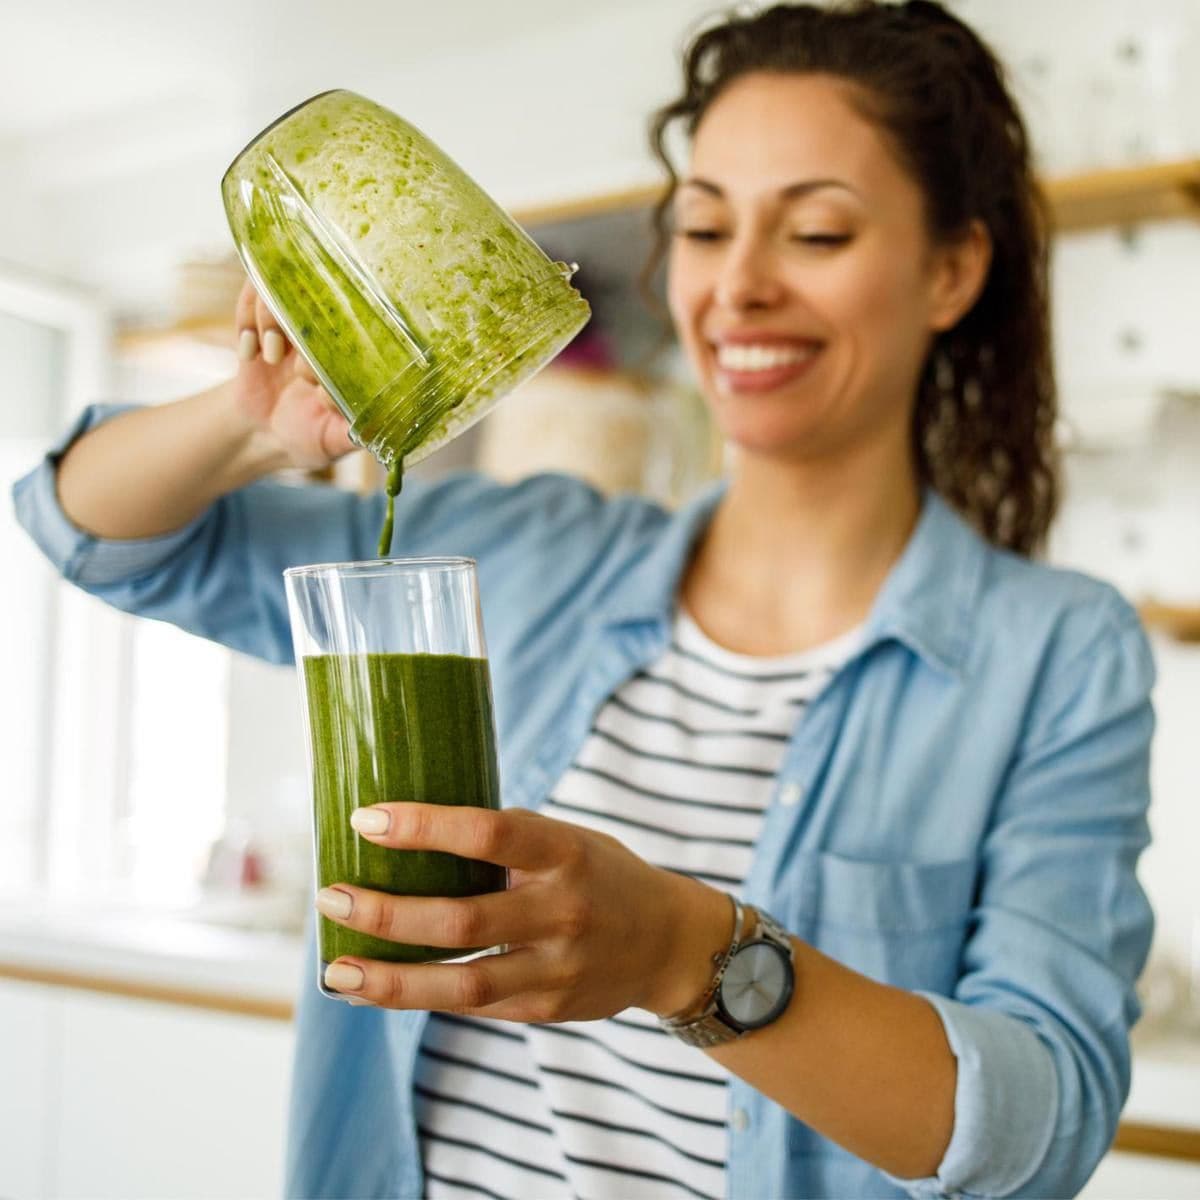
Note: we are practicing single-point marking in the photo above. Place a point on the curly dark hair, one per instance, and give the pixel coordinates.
(983, 423)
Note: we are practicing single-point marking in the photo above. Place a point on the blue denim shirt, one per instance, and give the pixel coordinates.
(959, 814)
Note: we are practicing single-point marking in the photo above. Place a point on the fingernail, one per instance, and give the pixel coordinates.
(247, 345)
(273, 346)
(335, 903)
(343, 977)
(370, 820)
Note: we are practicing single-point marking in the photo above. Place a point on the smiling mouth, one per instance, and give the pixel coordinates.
(758, 367)
(752, 356)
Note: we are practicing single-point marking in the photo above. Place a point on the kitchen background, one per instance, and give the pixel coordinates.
(154, 850)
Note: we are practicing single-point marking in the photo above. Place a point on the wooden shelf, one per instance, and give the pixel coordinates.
(583, 207)
(1093, 200)
(1179, 621)
(1125, 196)
(144, 341)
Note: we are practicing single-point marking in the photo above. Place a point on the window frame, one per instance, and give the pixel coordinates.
(81, 698)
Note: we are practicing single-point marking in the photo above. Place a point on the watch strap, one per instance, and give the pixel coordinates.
(709, 1026)
(770, 929)
(702, 1024)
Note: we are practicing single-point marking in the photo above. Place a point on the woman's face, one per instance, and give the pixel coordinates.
(801, 280)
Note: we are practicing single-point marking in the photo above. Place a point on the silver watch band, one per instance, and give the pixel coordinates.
(686, 1026)
(709, 1027)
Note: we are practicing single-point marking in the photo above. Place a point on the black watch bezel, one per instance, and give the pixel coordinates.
(781, 1003)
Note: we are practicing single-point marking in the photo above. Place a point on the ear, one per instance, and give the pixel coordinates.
(959, 271)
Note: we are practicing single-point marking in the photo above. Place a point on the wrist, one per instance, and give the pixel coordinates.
(251, 451)
(696, 932)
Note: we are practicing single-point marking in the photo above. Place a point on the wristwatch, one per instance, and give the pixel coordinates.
(753, 983)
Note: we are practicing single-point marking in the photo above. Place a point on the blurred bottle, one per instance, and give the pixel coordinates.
(616, 429)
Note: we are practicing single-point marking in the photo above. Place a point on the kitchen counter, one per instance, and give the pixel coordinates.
(1162, 1115)
(184, 961)
(167, 958)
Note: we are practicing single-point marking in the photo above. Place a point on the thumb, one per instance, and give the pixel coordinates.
(335, 436)
(303, 369)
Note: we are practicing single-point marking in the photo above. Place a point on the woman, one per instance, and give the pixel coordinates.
(836, 689)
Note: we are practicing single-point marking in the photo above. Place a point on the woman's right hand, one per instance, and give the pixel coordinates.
(277, 390)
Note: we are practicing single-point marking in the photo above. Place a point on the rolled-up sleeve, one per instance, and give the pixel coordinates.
(1039, 1022)
(221, 576)
(70, 549)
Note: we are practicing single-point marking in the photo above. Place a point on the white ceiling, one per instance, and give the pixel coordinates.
(80, 62)
(64, 62)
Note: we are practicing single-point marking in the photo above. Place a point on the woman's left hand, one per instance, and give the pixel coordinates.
(591, 928)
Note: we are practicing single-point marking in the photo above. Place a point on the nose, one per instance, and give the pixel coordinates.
(749, 276)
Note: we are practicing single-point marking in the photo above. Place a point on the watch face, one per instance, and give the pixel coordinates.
(757, 985)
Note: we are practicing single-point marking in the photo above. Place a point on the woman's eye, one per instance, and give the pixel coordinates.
(701, 235)
(822, 239)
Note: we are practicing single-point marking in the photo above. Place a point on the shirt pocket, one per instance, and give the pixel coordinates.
(903, 923)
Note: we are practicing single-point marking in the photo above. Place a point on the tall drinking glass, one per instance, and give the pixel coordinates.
(398, 707)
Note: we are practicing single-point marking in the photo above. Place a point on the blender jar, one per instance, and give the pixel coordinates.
(415, 298)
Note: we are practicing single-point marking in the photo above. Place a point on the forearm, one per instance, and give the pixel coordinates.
(864, 1064)
(150, 471)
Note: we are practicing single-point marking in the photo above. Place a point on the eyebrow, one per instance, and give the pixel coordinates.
(801, 188)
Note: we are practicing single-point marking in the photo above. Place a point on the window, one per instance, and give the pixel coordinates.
(31, 404)
(112, 730)
(51, 346)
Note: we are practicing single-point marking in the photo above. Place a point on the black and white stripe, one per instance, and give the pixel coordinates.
(680, 766)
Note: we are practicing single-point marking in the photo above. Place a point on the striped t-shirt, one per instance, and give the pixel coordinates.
(679, 764)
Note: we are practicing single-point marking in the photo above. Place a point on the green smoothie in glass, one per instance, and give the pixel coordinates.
(398, 707)
(435, 746)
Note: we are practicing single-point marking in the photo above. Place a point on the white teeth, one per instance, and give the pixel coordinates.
(757, 357)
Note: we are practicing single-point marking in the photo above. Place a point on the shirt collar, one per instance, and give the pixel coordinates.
(648, 590)
(926, 601)
(929, 598)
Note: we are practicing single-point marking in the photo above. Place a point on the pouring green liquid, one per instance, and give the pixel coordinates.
(395, 481)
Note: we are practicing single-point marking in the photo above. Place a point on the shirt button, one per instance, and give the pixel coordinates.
(790, 795)
(740, 1120)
